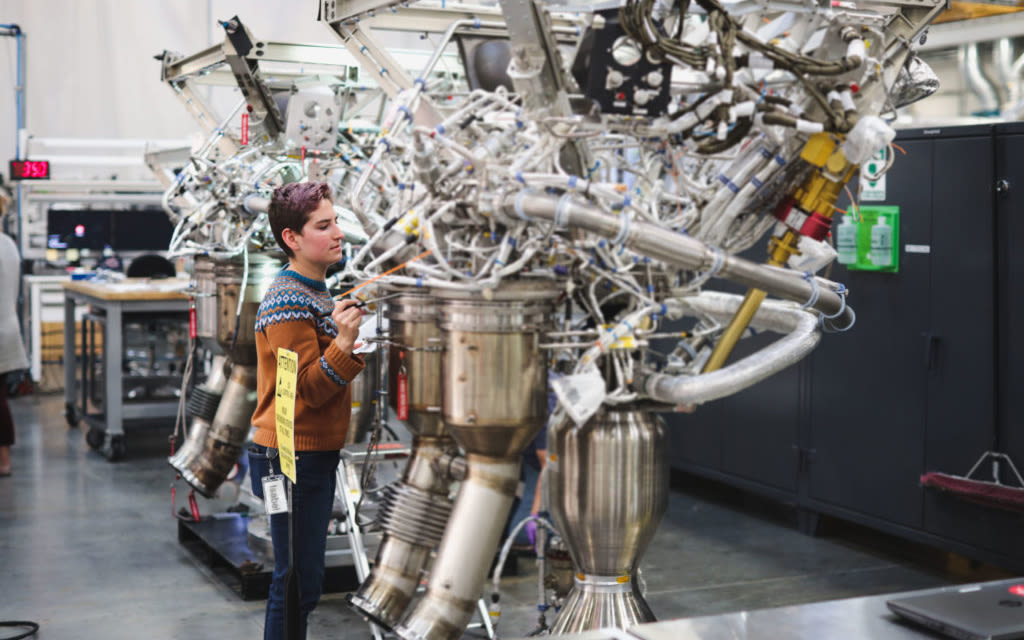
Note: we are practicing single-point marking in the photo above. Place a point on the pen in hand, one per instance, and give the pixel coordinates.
(360, 304)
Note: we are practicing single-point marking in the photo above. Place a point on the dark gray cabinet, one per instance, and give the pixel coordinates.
(928, 379)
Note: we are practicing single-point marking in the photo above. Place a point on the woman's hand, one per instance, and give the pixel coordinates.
(347, 318)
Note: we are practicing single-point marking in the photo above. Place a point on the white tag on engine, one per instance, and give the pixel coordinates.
(580, 394)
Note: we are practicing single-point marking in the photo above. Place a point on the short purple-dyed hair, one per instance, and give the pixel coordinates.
(291, 205)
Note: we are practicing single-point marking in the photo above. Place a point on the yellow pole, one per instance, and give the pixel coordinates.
(782, 248)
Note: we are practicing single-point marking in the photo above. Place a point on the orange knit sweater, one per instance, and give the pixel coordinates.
(295, 314)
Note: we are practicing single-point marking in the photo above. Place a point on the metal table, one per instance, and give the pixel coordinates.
(110, 303)
(865, 618)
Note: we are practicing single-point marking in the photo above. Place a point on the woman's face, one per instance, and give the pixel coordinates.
(319, 242)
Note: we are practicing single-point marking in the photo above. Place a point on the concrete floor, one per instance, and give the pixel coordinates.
(89, 549)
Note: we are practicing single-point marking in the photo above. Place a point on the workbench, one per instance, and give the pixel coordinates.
(864, 618)
(109, 305)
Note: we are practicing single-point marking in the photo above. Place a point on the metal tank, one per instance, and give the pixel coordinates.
(236, 329)
(608, 491)
(364, 394)
(415, 509)
(222, 406)
(204, 292)
(493, 403)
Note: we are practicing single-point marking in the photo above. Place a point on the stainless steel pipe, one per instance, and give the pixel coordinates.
(414, 516)
(207, 470)
(679, 250)
(493, 403)
(417, 508)
(608, 484)
(212, 390)
(801, 336)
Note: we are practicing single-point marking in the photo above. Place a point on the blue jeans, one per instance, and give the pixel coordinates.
(312, 503)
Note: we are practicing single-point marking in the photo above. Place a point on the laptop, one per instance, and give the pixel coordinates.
(991, 611)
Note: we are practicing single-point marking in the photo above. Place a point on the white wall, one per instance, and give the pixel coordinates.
(90, 67)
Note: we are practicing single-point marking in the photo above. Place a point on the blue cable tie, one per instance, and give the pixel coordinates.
(476, 23)
(419, 282)
(440, 129)
(511, 241)
(519, 177)
(405, 110)
(572, 182)
(626, 202)
(421, 82)
(815, 293)
(842, 308)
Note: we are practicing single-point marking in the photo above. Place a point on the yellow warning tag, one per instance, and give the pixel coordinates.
(284, 410)
(625, 342)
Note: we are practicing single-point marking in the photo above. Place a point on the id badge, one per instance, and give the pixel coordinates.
(275, 499)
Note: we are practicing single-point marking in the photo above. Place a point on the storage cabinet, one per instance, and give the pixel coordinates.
(926, 379)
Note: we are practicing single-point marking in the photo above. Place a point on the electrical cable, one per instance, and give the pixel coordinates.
(33, 627)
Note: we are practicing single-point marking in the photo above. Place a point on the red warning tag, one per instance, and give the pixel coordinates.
(245, 129)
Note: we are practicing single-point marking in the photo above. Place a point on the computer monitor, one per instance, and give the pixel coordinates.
(77, 229)
(147, 229)
(141, 230)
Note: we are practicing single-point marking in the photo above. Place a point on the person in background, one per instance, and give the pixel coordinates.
(298, 314)
(12, 349)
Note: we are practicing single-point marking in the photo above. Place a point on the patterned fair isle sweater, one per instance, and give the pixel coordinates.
(295, 314)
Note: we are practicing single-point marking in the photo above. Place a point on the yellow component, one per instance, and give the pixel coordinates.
(837, 163)
(818, 149)
(625, 342)
(622, 579)
(621, 188)
(780, 248)
(821, 190)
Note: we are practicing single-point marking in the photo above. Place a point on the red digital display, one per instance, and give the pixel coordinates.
(30, 170)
